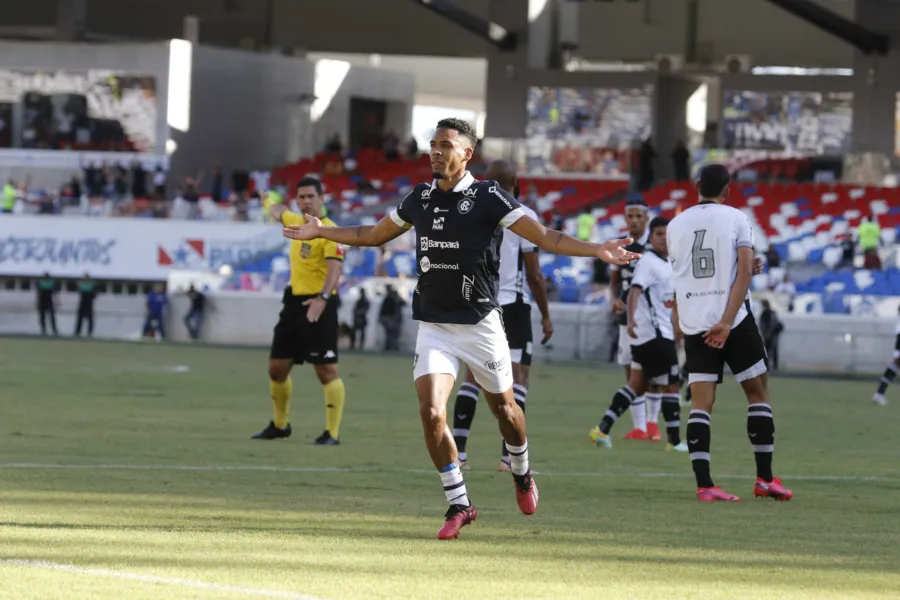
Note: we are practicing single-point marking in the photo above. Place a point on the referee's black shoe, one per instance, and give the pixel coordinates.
(326, 440)
(273, 433)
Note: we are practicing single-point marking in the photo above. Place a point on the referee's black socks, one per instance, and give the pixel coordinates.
(761, 430)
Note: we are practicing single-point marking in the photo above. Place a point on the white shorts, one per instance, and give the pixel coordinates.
(483, 347)
(624, 357)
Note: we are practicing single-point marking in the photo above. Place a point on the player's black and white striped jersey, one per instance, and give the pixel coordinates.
(458, 235)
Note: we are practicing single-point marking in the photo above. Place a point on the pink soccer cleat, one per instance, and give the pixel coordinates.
(715, 494)
(526, 493)
(456, 518)
(771, 489)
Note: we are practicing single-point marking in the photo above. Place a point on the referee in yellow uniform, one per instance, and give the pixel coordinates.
(307, 329)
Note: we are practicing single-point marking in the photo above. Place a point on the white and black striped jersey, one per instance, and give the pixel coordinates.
(458, 235)
(653, 313)
(703, 246)
(626, 272)
(513, 287)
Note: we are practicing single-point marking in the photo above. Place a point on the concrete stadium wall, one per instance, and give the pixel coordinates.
(583, 333)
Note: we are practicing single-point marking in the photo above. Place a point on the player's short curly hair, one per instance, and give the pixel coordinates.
(464, 128)
(657, 222)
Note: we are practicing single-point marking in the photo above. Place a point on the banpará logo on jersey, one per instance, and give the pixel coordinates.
(426, 243)
(465, 205)
(426, 265)
(495, 366)
(493, 190)
(438, 209)
(467, 284)
(438, 224)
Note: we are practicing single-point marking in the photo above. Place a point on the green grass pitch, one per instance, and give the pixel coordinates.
(126, 471)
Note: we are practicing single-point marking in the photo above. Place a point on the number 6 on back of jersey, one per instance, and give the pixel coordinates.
(703, 260)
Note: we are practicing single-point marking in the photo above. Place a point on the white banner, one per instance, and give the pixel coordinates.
(126, 248)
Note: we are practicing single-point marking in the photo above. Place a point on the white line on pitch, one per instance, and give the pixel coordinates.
(102, 467)
(190, 583)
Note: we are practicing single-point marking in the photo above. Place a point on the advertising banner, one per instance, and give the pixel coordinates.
(804, 122)
(140, 249)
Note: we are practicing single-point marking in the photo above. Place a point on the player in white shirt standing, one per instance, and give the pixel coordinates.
(651, 334)
(711, 251)
(518, 265)
(891, 372)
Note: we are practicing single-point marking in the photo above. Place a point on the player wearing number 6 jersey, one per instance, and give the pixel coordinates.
(711, 251)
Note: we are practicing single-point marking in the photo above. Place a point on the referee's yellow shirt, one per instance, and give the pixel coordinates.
(308, 259)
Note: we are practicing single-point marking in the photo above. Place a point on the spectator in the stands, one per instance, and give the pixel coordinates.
(585, 224)
(770, 327)
(869, 234)
(787, 288)
(46, 203)
(8, 201)
(681, 161)
(412, 148)
(334, 145)
(646, 172)
(138, 180)
(217, 184)
(192, 197)
(159, 183)
(391, 145)
(848, 250)
(773, 258)
(240, 181)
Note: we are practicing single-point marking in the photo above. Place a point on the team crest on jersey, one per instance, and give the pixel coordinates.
(305, 250)
(465, 205)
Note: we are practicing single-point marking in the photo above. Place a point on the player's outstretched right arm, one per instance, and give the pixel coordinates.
(363, 235)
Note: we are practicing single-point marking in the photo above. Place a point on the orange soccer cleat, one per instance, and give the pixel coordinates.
(715, 494)
(771, 489)
(456, 518)
(653, 432)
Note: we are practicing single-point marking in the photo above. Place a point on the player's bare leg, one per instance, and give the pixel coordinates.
(464, 411)
(511, 421)
(333, 388)
(280, 388)
(703, 396)
(761, 431)
(433, 390)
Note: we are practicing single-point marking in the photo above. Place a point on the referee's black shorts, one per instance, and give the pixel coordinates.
(744, 353)
(517, 324)
(304, 342)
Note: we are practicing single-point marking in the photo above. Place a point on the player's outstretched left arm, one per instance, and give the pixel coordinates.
(364, 235)
(558, 242)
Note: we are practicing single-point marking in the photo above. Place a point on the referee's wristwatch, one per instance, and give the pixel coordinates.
(325, 296)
